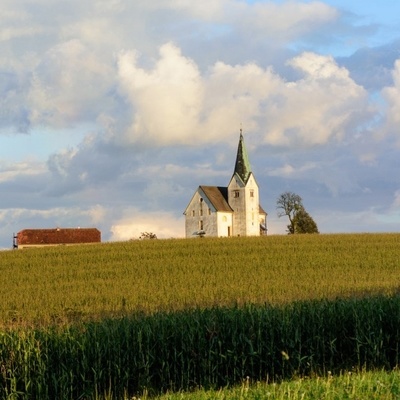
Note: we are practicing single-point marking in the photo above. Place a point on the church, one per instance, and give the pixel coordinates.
(216, 211)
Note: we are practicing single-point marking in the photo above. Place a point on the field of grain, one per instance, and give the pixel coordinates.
(62, 284)
(118, 320)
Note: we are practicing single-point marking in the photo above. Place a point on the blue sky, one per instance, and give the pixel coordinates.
(112, 112)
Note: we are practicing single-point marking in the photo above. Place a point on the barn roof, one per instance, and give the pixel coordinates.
(58, 236)
(218, 196)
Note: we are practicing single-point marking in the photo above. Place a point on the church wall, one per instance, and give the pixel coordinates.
(244, 200)
(224, 222)
(200, 215)
(236, 200)
(252, 208)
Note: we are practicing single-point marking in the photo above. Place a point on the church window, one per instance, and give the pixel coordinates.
(201, 212)
(201, 226)
(209, 211)
(236, 193)
(224, 219)
(251, 193)
(193, 213)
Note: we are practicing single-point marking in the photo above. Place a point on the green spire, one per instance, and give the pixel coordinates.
(242, 165)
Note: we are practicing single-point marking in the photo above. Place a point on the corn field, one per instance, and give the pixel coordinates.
(62, 285)
(116, 319)
(208, 348)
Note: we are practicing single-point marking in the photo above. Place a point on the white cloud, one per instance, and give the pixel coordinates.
(287, 21)
(11, 171)
(290, 171)
(174, 104)
(317, 108)
(68, 86)
(166, 100)
(16, 23)
(134, 222)
(392, 97)
(206, 9)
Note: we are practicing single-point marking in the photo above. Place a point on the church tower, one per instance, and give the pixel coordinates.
(233, 210)
(243, 195)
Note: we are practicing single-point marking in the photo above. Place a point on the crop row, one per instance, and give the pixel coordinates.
(67, 284)
(208, 348)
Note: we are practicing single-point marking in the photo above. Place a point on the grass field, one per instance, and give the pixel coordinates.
(377, 385)
(148, 316)
(66, 284)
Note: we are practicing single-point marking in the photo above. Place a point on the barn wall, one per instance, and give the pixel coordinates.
(59, 236)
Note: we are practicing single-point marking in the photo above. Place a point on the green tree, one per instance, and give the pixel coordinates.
(291, 205)
(304, 223)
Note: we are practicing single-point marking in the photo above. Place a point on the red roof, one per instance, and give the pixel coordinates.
(58, 236)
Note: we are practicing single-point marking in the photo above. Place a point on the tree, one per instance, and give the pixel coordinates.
(304, 223)
(291, 205)
(147, 235)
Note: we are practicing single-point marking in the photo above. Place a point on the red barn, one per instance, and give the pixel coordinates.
(54, 237)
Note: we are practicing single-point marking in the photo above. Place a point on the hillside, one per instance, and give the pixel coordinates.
(58, 285)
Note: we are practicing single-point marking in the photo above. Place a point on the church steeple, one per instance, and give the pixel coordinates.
(242, 165)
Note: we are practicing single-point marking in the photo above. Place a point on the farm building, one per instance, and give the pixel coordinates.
(54, 237)
(234, 210)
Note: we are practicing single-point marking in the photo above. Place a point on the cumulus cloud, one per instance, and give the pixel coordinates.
(134, 222)
(68, 76)
(69, 85)
(316, 108)
(173, 102)
(166, 100)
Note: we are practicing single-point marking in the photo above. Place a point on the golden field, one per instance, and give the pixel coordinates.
(66, 284)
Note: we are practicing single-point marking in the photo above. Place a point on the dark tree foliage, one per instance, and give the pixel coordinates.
(147, 235)
(304, 223)
(291, 205)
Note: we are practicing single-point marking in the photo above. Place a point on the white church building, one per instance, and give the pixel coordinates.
(235, 210)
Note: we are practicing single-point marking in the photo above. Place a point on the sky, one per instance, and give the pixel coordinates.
(113, 112)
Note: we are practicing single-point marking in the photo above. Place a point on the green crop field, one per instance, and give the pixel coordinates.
(61, 284)
(170, 315)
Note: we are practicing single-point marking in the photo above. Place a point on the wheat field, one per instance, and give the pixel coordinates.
(57, 285)
(118, 320)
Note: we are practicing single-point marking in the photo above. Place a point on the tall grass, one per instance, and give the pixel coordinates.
(207, 348)
(68, 284)
(123, 318)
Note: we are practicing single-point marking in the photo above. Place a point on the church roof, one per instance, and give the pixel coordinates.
(261, 210)
(242, 165)
(218, 196)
